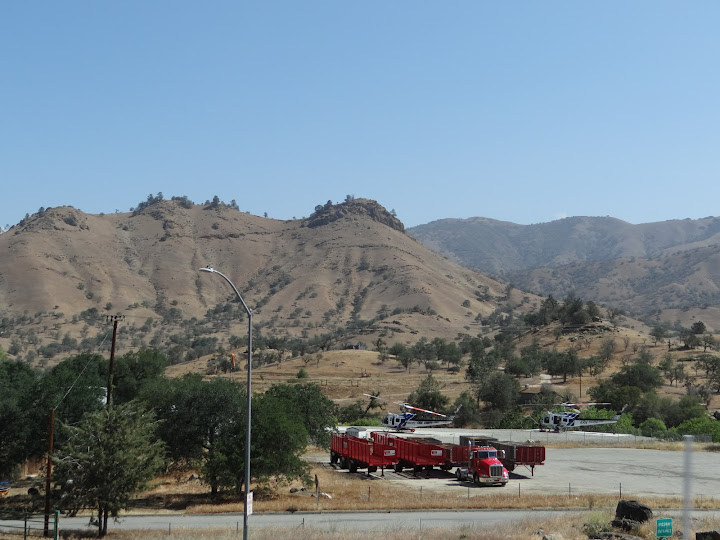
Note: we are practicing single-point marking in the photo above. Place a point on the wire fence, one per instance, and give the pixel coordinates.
(27, 524)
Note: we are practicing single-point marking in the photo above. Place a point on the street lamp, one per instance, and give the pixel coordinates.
(249, 399)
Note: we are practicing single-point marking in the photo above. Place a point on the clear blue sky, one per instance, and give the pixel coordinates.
(522, 111)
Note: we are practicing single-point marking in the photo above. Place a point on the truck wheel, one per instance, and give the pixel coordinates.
(458, 475)
(476, 479)
(398, 467)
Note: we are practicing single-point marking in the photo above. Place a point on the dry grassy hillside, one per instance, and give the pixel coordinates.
(345, 375)
(675, 288)
(61, 271)
(666, 272)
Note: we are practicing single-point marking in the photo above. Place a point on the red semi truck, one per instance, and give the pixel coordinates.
(355, 450)
(479, 464)
(475, 463)
(510, 453)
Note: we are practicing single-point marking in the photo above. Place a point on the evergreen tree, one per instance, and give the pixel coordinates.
(111, 455)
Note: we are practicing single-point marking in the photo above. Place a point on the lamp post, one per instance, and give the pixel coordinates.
(249, 398)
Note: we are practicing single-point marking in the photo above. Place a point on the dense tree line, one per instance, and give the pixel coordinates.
(186, 422)
(572, 310)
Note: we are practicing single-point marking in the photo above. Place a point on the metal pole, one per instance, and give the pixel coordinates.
(115, 320)
(249, 398)
(48, 477)
(687, 485)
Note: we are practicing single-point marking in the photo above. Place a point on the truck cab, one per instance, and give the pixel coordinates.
(482, 467)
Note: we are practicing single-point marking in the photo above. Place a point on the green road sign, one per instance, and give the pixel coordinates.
(664, 528)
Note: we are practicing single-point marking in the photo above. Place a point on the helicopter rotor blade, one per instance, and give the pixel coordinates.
(408, 406)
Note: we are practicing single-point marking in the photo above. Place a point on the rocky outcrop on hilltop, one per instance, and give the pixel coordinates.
(328, 213)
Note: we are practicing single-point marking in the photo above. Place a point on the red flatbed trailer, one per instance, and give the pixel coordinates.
(416, 453)
(527, 454)
(360, 452)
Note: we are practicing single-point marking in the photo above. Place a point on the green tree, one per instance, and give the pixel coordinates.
(653, 427)
(194, 412)
(481, 364)
(428, 395)
(402, 354)
(667, 367)
(278, 442)
(500, 391)
(698, 328)
(468, 412)
(690, 340)
(658, 333)
(708, 342)
(607, 349)
(17, 381)
(618, 396)
(564, 364)
(310, 407)
(111, 455)
(134, 369)
(74, 387)
(640, 374)
(701, 426)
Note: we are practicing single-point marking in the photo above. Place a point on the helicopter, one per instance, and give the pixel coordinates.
(407, 419)
(562, 421)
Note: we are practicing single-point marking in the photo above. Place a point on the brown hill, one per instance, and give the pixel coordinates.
(673, 289)
(500, 247)
(347, 263)
(666, 272)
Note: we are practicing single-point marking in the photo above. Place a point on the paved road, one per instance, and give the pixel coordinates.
(338, 521)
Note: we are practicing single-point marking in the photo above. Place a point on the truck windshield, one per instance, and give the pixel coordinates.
(485, 454)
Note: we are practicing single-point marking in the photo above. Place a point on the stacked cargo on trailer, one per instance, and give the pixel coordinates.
(416, 453)
(355, 450)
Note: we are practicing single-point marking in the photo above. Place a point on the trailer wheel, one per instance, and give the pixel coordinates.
(344, 463)
(398, 467)
(353, 466)
(458, 474)
(333, 458)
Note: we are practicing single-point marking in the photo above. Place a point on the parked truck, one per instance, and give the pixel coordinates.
(512, 454)
(479, 464)
(475, 463)
(355, 449)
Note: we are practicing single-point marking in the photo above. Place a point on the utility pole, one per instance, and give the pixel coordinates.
(115, 319)
(48, 476)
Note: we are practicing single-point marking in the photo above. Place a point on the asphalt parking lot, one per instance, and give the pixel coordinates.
(609, 469)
